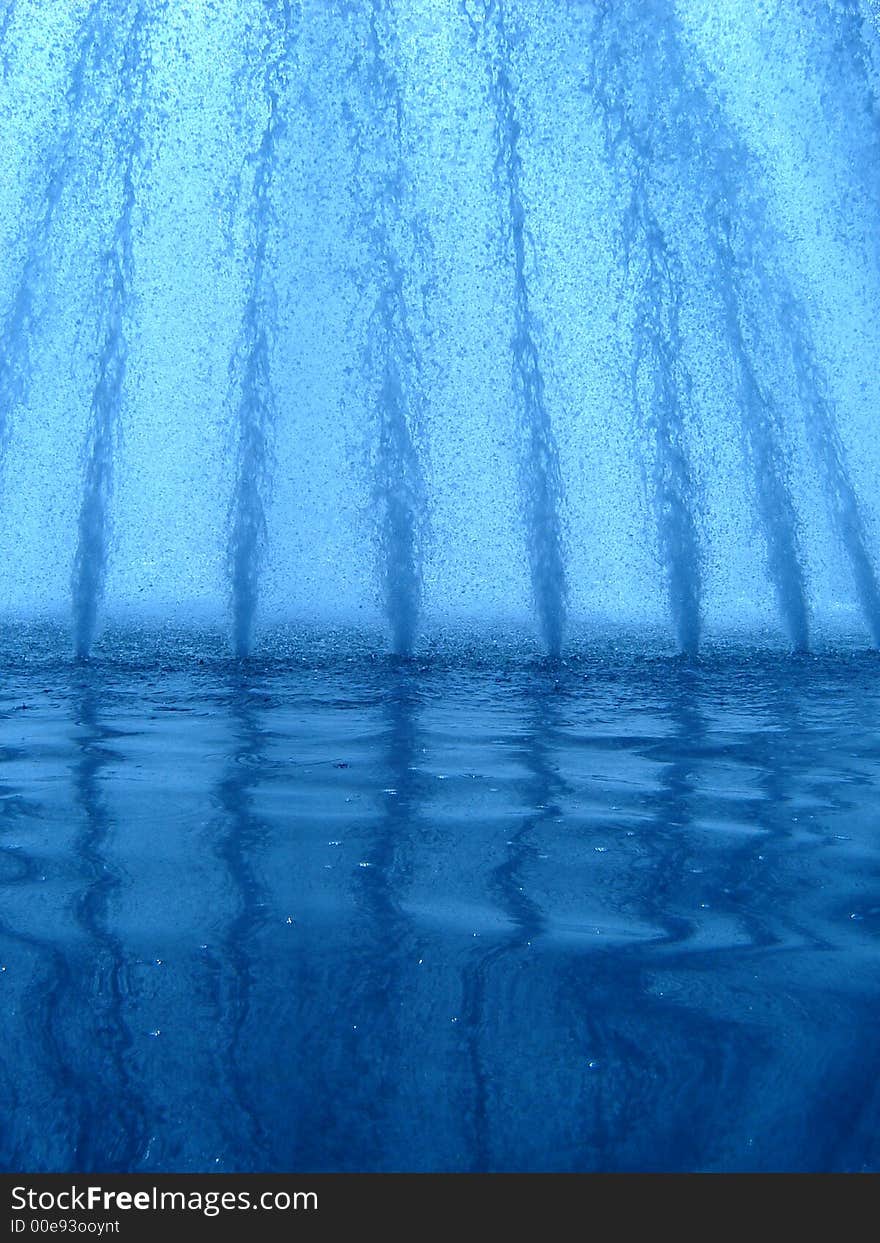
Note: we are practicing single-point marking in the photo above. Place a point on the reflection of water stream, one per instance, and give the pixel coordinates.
(769, 740)
(745, 884)
(111, 1127)
(235, 965)
(675, 1035)
(694, 873)
(627, 1049)
(618, 1046)
(540, 791)
(383, 1034)
(380, 885)
(668, 844)
(42, 1004)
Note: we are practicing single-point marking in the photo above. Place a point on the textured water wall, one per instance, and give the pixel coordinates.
(418, 313)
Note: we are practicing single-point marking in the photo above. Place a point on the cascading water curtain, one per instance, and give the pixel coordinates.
(253, 396)
(660, 383)
(550, 281)
(666, 135)
(122, 120)
(541, 483)
(374, 113)
(94, 44)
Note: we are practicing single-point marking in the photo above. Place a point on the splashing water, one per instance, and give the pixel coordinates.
(529, 304)
(660, 383)
(391, 360)
(24, 311)
(540, 481)
(250, 371)
(114, 294)
(669, 115)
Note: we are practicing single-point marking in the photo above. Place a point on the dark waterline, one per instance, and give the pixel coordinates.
(326, 912)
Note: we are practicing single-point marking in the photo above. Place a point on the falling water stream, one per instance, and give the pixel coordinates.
(391, 362)
(539, 466)
(645, 484)
(250, 370)
(113, 298)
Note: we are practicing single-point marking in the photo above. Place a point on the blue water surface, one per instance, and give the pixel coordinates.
(334, 910)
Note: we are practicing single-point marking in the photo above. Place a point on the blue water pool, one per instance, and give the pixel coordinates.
(472, 912)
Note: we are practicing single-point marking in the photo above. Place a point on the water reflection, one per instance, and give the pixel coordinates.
(399, 915)
(233, 963)
(535, 747)
(37, 978)
(365, 1054)
(111, 1132)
